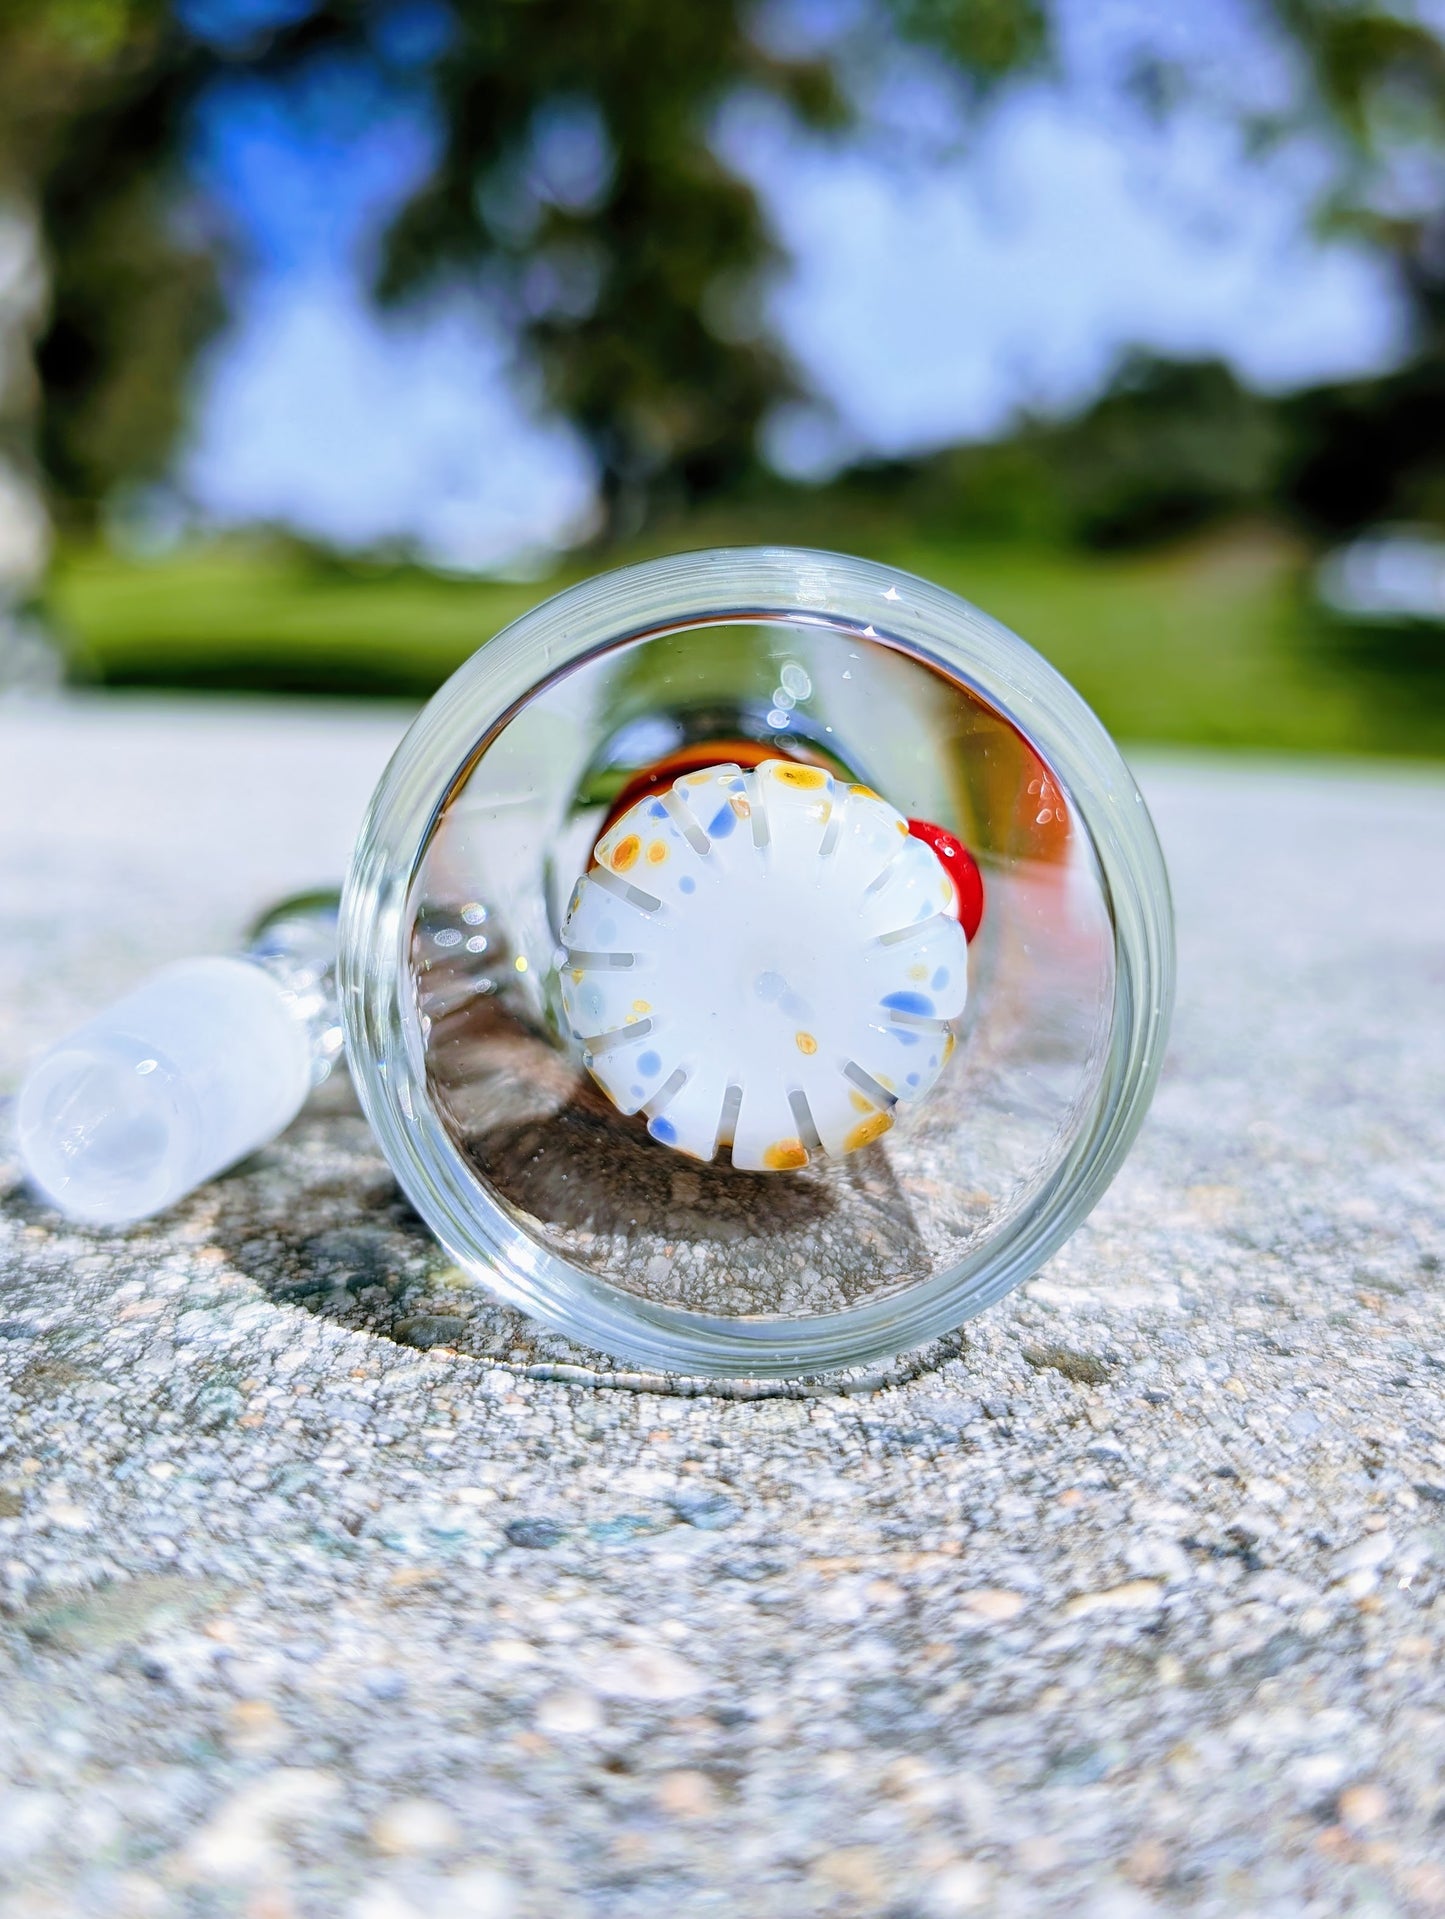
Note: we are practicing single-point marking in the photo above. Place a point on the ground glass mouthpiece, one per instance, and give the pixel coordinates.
(196, 1068)
(767, 961)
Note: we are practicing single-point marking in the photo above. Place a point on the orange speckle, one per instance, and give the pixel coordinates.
(862, 1105)
(806, 777)
(740, 807)
(657, 852)
(903, 828)
(624, 854)
(950, 1040)
(642, 1006)
(863, 792)
(918, 972)
(866, 1131)
(579, 974)
(785, 1155)
(806, 1043)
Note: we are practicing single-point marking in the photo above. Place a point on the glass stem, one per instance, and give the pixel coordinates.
(295, 943)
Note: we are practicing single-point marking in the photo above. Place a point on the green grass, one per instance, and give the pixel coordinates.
(242, 616)
(1211, 643)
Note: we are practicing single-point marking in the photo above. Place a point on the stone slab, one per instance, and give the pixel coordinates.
(1127, 1601)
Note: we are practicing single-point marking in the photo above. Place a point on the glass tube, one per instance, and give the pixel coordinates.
(450, 952)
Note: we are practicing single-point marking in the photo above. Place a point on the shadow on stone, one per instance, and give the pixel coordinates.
(317, 1222)
(591, 1186)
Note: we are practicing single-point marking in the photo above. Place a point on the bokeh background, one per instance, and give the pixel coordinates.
(334, 333)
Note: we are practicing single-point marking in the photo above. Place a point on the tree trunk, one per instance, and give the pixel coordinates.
(26, 656)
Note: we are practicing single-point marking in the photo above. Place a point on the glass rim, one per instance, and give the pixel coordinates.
(768, 585)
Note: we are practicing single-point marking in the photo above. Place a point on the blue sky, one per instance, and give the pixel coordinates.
(931, 293)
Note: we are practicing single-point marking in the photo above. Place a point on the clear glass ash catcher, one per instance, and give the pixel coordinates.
(753, 962)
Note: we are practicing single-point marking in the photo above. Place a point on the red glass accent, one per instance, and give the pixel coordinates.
(961, 868)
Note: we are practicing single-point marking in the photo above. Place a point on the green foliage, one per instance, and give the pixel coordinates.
(94, 100)
(1173, 447)
(1368, 450)
(576, 182)
(987, 40)
(1376, 86)
(134, 295)
(638, 286)
(53, 54)
(1379, 73)
(578, 177)
(1170, 447)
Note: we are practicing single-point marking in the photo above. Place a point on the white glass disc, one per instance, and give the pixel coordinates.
(768, 960)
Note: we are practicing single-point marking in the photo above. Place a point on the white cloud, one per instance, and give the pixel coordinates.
(367, 431)
(928, 301)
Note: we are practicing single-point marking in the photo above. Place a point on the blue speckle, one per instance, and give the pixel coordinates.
(649, 1065)
(664, 1130)
(940, 979)
(637, 1092)
(925, 912)
(722, 823)
(795, 1006)
(903, 1036)
(918, 1003)
(687, 884)
(657, 811)
(770, 986)
(913, 1079)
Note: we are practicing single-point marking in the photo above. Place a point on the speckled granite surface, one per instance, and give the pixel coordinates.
(1128, 1601)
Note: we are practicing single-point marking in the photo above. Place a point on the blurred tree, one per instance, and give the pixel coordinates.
(135, 282)
(1168, 447)
(577, 182)
(1375, 449)
(45, 53)
(103, 300)
(1368, 450)
(1375, 84)
(1367, 93)
(576, 172)
(577, 177)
